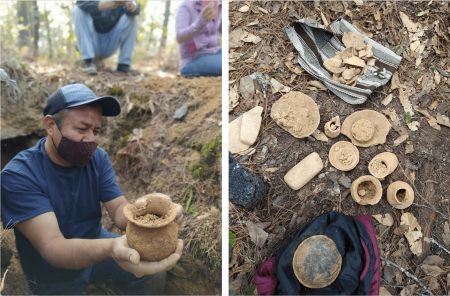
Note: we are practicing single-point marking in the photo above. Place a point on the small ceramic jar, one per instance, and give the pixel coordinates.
(366, 190)
(400, 195)
(333, 127)
(383, 164)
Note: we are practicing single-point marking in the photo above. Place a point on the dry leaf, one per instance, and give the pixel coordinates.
(413, 237)
(433, 105)
(409, 25)
(318, 84)
(446, 234)
(414, 45)
(257, 235)
(443, 120)
(387, 220)
(409, 148)
(406, 103)
(400, 140)
(233, 99)
(263, 10)
(414, 125)
(244, 8)
(253, 23)
(236, 37)
(271, 170)
(324, 19)
(432, 270)
(296, 69)
(251, 38)
(278, 87)
(437, 77)
(395, 81)
(384, 292)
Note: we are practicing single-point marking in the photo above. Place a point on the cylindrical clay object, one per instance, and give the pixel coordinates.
(304, 171)
(383, 164)
(400, 195)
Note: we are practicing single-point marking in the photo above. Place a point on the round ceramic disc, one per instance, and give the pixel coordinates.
(296, 113)
(317, 262)
(344, 156)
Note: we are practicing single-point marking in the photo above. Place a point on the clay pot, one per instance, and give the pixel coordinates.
(366, 128)
(304, 171)
(400, 195)
(366, 190)
(317, 262)
(296, 113)
(344, 156)
(383, 164)
(151, 229)
(333, 127)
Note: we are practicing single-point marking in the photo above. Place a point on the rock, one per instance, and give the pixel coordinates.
(245, 189)
(181, 112)
(277, 201)
(296, 113)
(345, 181)
(251, 122)
(304, 171)
(348, 74)
(234, 131)
(246, 87)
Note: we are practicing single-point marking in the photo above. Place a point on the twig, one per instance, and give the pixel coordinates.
(434, 209)
(408, 274)
(403, 287)
(430, 239)
(3, 281)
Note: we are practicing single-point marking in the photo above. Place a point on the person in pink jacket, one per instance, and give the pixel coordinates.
(198, 26)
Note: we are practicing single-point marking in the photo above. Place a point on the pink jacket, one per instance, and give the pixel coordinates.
(206, 40)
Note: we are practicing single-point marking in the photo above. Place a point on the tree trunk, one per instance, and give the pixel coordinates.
(71, 40)
(47, 26)
(162, 44)
(22, 16)
(37, 22)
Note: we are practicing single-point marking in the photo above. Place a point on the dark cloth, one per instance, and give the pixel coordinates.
(105, 20)
(32, 184)
(349, 234)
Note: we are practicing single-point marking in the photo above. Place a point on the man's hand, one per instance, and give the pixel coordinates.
(131, 6)
(208, 13)
(106, 5)
(130, 260)
(180, 210)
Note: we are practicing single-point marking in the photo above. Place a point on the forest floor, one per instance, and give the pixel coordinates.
(151, 152)
(424, 158)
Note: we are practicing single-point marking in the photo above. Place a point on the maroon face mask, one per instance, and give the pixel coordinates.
(76, 153)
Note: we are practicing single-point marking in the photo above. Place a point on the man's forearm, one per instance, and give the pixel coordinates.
(76, 253)
(119, 218)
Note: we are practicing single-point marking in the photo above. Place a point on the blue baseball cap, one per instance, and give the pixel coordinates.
(74, 95)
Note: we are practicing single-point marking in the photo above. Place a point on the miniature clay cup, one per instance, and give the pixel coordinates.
(366, 190)
(400, 195)
(317, 262)
(383, 164)
(156, 237)
(333, 127)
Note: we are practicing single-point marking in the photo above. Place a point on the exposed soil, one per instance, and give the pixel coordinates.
(284, 211)
(150, 151)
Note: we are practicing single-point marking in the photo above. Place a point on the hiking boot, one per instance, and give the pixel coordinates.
(126, 69)
(100, 63)
(89, 67)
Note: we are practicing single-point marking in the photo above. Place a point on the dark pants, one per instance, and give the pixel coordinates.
(147, 285)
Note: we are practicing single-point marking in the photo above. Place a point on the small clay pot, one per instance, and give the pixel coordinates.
(400, 195)
(151, 229)
(366, 190)
(383, 164)
(344, 156)
(317, 262)
(333, 127)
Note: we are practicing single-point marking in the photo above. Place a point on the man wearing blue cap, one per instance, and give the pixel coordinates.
(102, 27)
(52, 193)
